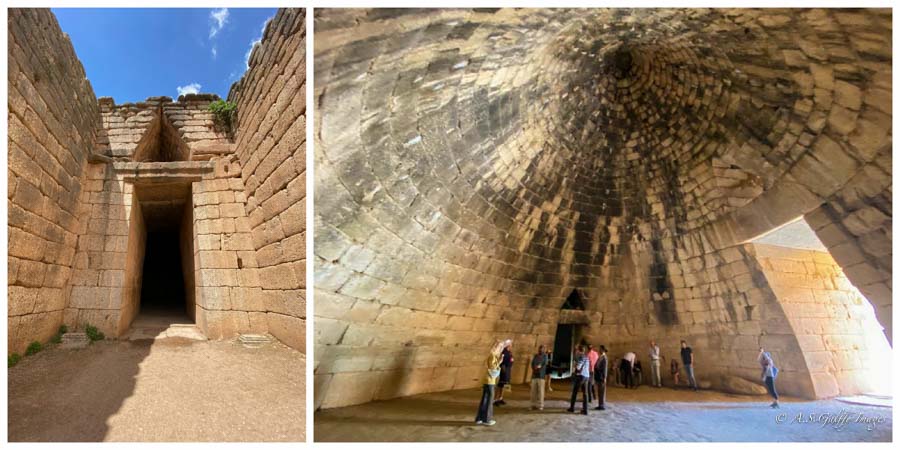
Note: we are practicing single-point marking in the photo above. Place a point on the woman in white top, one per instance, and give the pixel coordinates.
(769, 373)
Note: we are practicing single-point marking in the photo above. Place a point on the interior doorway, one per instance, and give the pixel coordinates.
(161, 251)
(568, 334)
(563, 348)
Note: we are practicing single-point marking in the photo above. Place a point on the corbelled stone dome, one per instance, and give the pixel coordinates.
(473, 167)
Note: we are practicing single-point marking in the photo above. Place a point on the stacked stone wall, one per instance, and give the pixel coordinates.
(855, 225)
(54, 121)
(270, 145)
(828, 318)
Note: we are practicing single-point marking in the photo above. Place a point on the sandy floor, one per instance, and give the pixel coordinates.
(163, 390)
(645, 414)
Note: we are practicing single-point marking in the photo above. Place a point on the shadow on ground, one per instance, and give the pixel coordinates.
(168, 390)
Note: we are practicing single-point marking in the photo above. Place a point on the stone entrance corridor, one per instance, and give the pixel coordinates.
(642, 415)
(157, 275)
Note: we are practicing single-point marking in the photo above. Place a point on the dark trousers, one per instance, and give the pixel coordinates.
(770, 386)
(486, 406)
(590, 388)
(627, 376)
(601, 391)
(579, 383)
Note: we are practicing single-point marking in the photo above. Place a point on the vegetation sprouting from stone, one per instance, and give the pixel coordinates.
(93, 333)
(13, 359)
(223, 114)
(33, 348)
(57, 338)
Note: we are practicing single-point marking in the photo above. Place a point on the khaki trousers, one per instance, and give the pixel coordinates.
(537, 393)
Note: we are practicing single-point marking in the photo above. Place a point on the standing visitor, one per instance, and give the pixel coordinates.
(655, 377)
(674, 370)
(638, 372)
(769, 373)
(687, 358)
(549, 369)
(485, 414)
(592, 356)
(538, 372)
(580, 375)
(628, 371)
(600, 372)
(505, 373)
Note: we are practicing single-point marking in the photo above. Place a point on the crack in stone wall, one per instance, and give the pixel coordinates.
(473, 167)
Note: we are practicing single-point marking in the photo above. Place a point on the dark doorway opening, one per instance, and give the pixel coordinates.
(164, 246)
(163, 286)
(563, 345)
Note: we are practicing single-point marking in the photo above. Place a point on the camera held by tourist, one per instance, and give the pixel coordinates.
(769, 373)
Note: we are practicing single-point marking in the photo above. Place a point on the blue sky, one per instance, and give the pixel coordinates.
(131, 54)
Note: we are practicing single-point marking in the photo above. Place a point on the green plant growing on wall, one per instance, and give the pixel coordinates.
(33, 348)
(93, 333)
(13, 359)
(57, 338)
(224, 113)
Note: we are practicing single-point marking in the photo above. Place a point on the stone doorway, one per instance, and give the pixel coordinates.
(569, 332)
(161, 257)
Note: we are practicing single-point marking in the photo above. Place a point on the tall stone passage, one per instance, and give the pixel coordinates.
(115, 207)
(270, 143)
(474, 167)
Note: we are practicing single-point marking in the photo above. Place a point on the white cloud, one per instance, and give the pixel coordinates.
(214, 52)
(193, 88)
(217, 19)
(255, 41)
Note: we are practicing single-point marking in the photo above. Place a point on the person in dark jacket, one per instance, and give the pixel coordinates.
(538, 373)
(505, 374)
(601, 370)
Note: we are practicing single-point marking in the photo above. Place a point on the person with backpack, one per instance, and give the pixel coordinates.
(769, 373)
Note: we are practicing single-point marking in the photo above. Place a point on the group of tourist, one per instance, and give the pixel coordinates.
(590, 370)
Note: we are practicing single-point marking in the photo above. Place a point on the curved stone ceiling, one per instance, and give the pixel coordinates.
(467, 159)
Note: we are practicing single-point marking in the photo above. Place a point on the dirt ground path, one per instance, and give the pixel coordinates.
(645, 414)
(163, 390)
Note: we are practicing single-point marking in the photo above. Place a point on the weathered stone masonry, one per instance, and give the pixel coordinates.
(271, 142)
(114, 173)
(474, 167)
